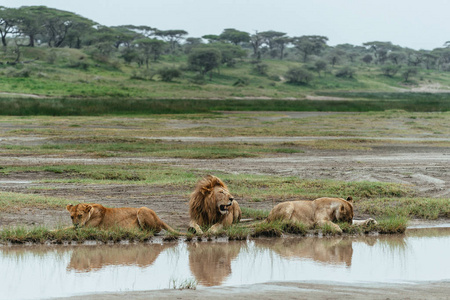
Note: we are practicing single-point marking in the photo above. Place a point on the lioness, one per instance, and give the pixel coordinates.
(317, 212)
(212, 204)
(96, 215)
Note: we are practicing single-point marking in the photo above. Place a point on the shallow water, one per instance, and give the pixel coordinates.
(37, 272)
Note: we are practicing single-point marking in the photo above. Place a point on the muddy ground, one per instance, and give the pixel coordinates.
(416, 157)
(424, 168)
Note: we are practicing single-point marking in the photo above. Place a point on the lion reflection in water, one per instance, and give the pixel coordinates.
(210, 263)
(93, 258)
(329, 251)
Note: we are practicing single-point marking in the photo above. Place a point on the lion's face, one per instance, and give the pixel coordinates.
(346, 212)
(223, 199)
(80, 213)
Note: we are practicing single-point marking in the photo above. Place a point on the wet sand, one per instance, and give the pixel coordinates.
(296, 290)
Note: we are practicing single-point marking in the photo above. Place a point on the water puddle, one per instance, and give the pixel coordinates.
(15, 182)
(35, 272)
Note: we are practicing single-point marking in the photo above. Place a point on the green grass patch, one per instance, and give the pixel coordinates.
(277, 228)
(21, 235)
(16, 201)
(115, 147)
(261, 187)
(274, 187)
(421, 208)
(256, 214)
(237, 232)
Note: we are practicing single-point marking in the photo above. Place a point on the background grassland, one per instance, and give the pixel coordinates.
(129, 129)
(77, 84)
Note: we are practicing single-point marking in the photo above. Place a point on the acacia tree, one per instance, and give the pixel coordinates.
(125, 35)
(269, 38)
(335, 56)
(310, 44)
(281, 43)
(173, 37)
(150, 48)
(234, 36)
(228, 53)
(191, 43)
(256, 40)
(429, 59)
(381, 50)
(29, 23)
(8, 22)
(204, 60)
(211, 38)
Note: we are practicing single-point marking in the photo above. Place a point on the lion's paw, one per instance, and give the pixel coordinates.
(370, 221)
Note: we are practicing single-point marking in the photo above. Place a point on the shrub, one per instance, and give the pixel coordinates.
(409, 72)
(241, 82)
(22, 73)
(197, 79)
(168, 74)
(345, 72)
(261, 68)
(298, 75)
(78, 64)
(390, 70)
(142, 75)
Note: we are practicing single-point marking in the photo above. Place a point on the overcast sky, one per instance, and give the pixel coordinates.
(417, 24)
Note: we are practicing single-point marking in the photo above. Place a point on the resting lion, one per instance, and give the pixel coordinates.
(317, 212)
(96, 215)
(212, 204)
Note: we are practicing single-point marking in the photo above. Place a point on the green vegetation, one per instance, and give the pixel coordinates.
(93, 107)
(88, 69)
(10, 201)
(421, 208)
(21, 235)
(244, 185)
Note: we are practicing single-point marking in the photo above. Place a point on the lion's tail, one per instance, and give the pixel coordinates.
(170, 229)
(253, 224)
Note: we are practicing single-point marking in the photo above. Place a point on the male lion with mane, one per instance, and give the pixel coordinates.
(317, 212)
(212, 204)
(96, 215)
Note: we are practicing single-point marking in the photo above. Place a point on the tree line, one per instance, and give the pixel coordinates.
(33, 26)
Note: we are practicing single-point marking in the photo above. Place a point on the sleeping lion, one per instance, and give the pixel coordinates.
(96, 215)
(317, 212)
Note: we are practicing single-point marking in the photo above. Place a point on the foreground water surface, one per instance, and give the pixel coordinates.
(36, 272)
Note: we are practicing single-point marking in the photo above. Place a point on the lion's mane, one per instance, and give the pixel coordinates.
(202, 206)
